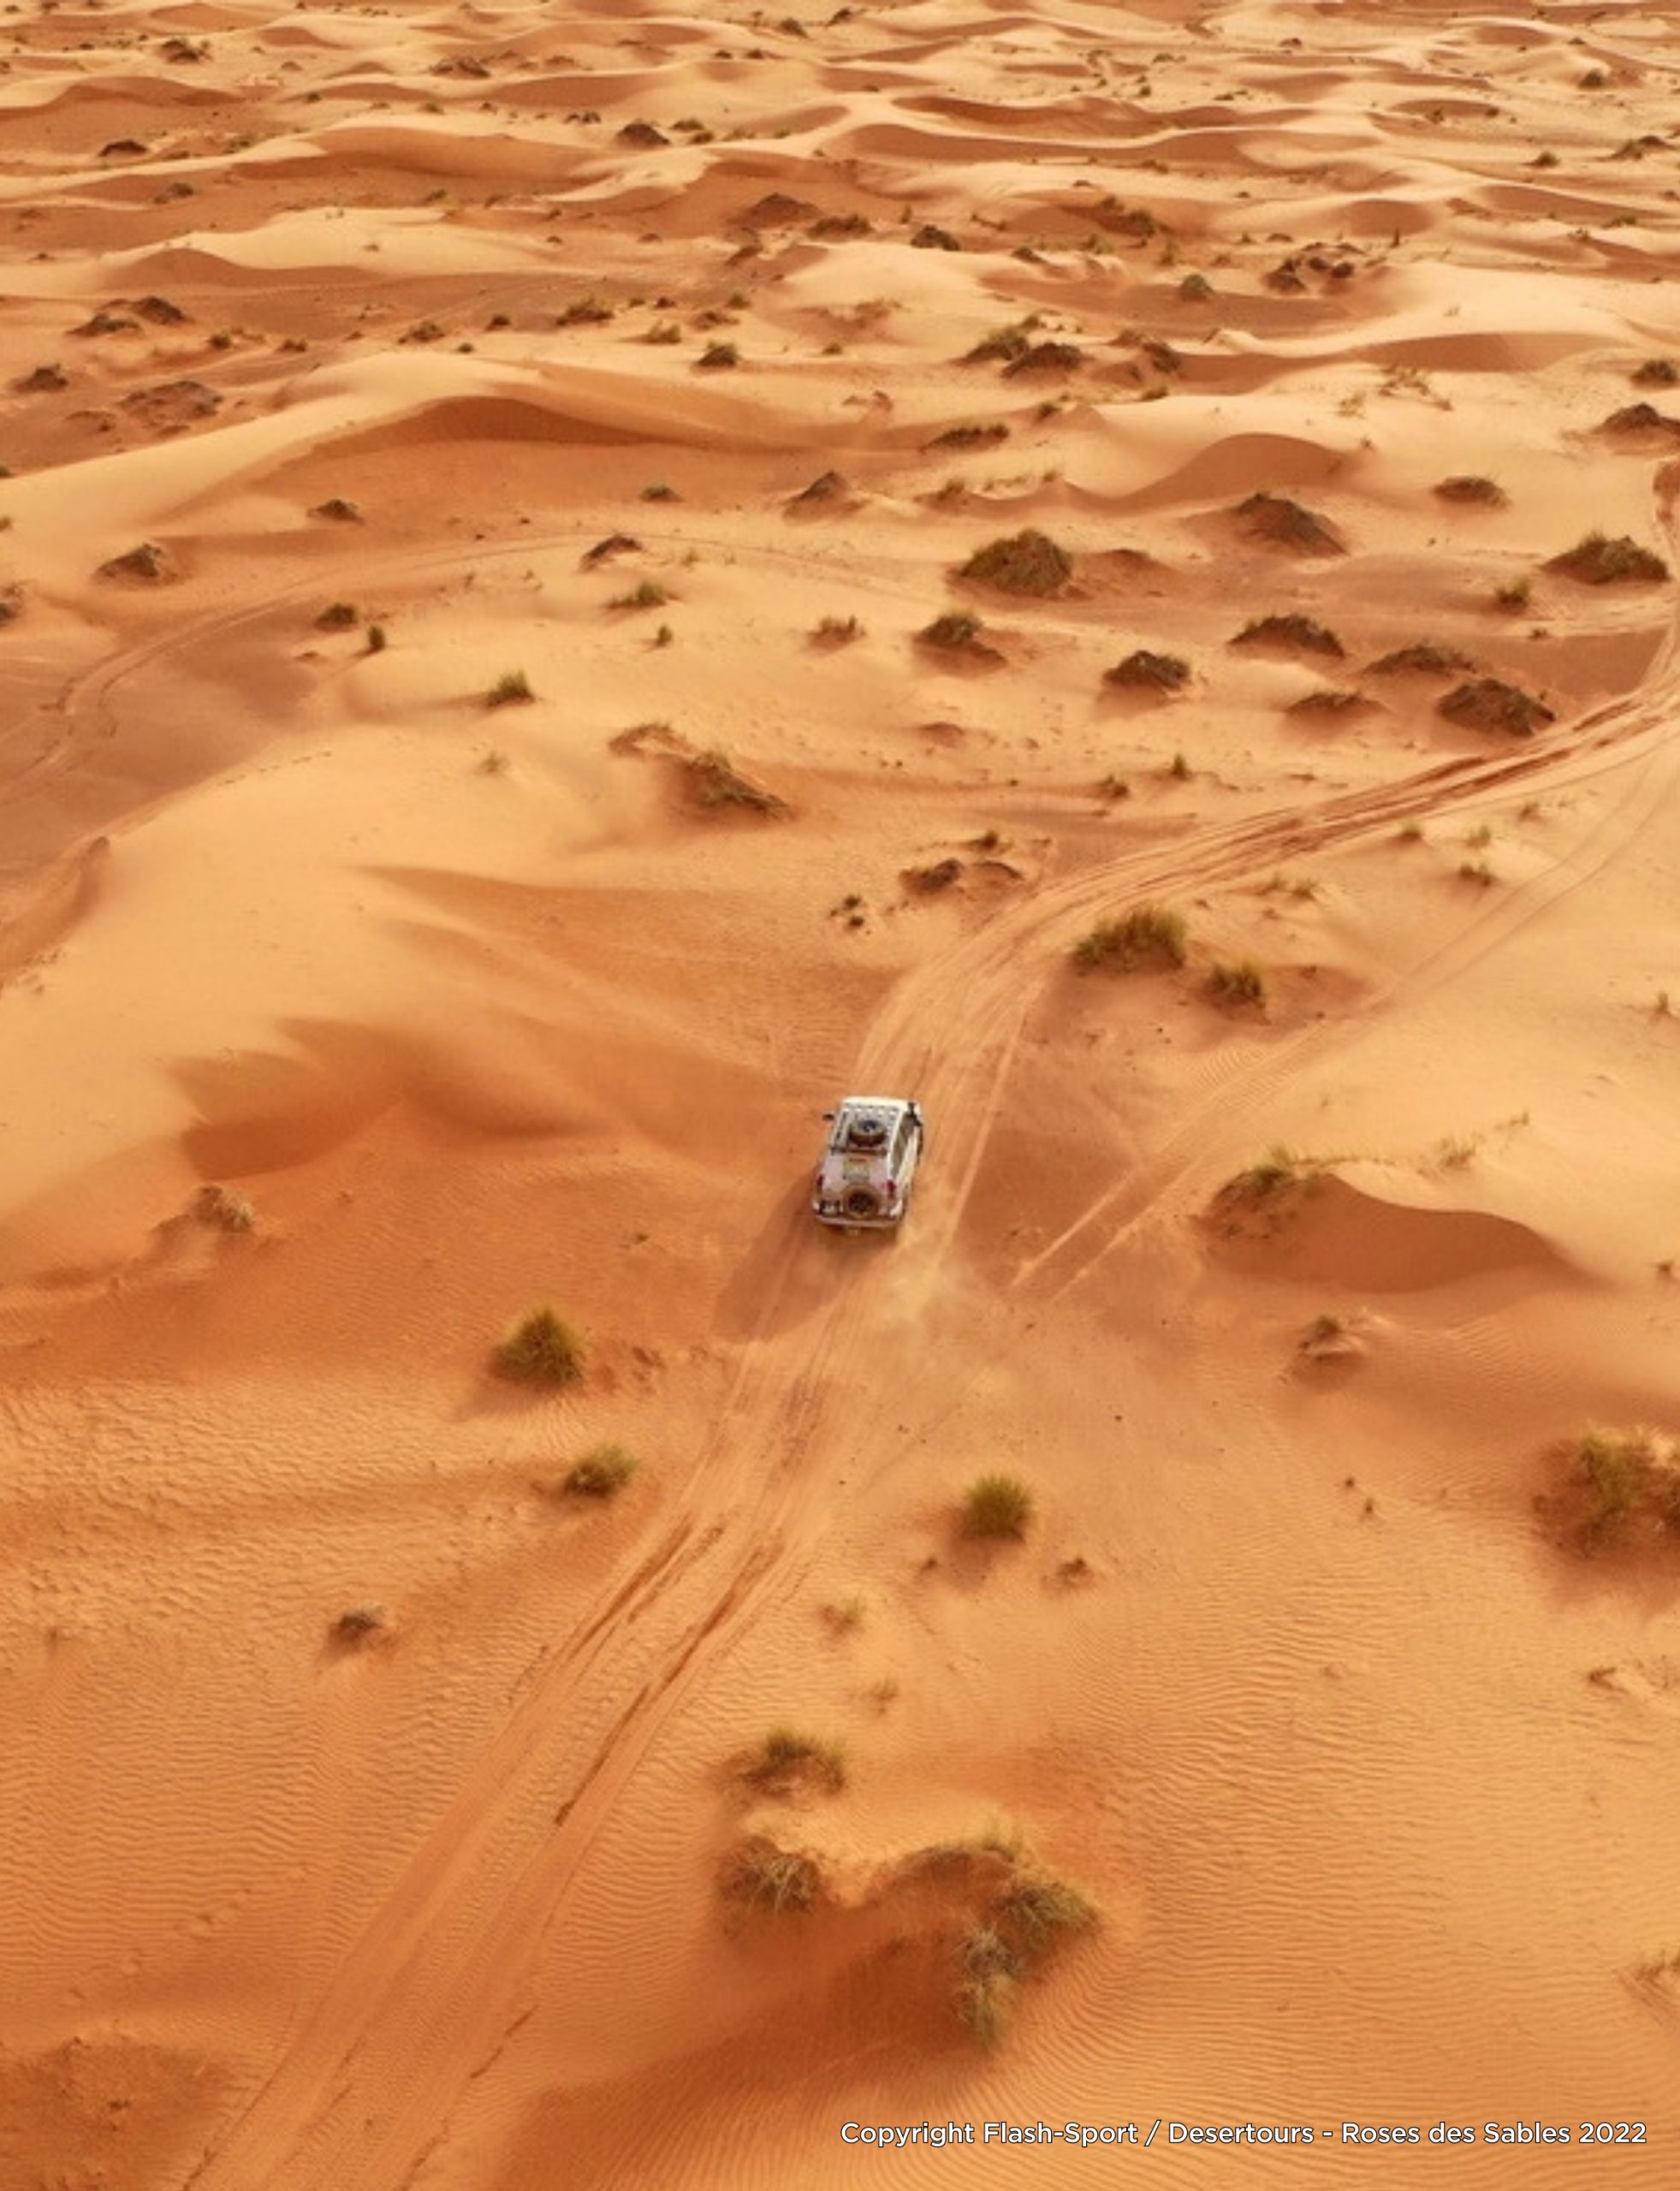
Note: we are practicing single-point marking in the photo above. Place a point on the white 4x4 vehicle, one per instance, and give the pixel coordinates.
(869, 1165)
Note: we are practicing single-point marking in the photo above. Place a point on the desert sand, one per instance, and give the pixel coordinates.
(479, 776)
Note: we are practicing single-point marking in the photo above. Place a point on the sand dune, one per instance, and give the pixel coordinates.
(508, 716)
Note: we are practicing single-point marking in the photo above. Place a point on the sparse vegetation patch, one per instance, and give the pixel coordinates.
(601, 1473)
(1472, 488)
(1489, 704)
(1286, 524)
(1144, 670)
(788, 1757)
(1597, 560)
(1295, 631)
(1237, 983)
(1624, 1483)
(997, 1505)
(1026, 562)
(542, 1349)
(1148, 936)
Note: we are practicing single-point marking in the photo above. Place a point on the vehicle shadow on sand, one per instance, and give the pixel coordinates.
(792, 1269)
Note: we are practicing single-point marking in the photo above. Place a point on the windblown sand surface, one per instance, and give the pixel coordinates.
(1299, 1673)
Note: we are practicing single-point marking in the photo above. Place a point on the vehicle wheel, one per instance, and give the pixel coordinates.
(861, 1201)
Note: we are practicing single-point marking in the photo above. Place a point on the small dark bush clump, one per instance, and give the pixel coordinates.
(1026, 562)
(1148, 936)
(542, 1349)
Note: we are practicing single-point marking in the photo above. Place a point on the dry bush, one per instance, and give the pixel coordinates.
(1470, 487)
(1291, 630)
(997, 1505)
(789, 1757)
(1026, 562)
(1162, 673)
(1286, 524)
(1597, 560)
(776, 1880)
(1489, 704)
(1237, 983)
(601, 1473)
(1148, 936)
(542, 1349)
(510, 688)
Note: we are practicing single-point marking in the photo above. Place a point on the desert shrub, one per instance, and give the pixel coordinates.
(647, 595)
(586, 312)
(1147, 936)
(826, 487)
(952, 633)
(1323, 1335)
(1046, 357)
(716, 783)
(1040, 1909)
(788, 1755)
(1003, 346)
(1277, 1170)
(339, 510)
(1292, 631)
(1236, 982)
(663, 331)
(660, 492)
(716, 355)
(511, 686)
(969, 436)
(1624, 1476)
(1657, 372)
(1471, 487)
(987, 1954)
(773, 1879)
(338, 616)
(602, 1472)
(1164, 673)
(1423, 656)
(1489, 704)
(986, 2006)
(1597, 560)
(839, 630)
(542, 1349)
(997, 1505)
(228, 1213)
(1514, 595)
(1026, 562)
(1286, 524)
(357, 1623)
(377, 639)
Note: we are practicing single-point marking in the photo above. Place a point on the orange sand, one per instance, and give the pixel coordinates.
(1373, 1782)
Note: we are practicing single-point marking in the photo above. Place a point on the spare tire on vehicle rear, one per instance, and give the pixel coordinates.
(861, 1201)
(867, 1131)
